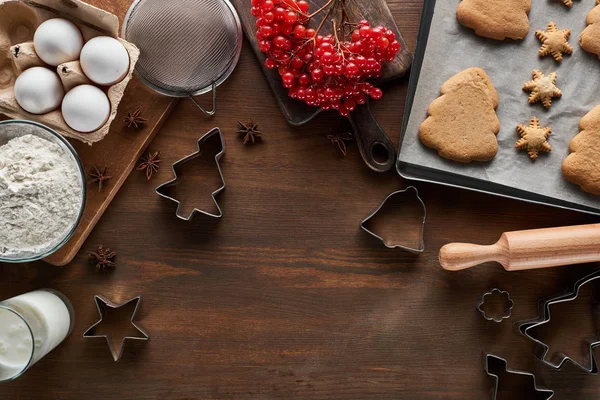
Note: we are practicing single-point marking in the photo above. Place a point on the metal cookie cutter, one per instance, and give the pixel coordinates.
(214, 134)
(510, 303)
(102, 303)
(544, 393)
(410, 191)
(542, 349)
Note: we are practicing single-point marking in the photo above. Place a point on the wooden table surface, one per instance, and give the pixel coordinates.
(285, 297)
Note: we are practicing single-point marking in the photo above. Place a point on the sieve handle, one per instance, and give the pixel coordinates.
(214, 109)
(374, 145)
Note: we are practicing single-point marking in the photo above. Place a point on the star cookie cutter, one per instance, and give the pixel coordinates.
(411, 192)
(103, 303)
(211, 135)
(544, 393)
(542, 349)
(509, 302)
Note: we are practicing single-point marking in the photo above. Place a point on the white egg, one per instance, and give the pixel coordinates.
(85, 108)
(39, 90)
(57, 41)
(104, 60)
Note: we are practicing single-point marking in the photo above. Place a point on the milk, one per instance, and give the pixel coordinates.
(31, 325)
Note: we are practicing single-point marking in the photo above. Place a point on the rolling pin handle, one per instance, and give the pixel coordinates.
(459, 256)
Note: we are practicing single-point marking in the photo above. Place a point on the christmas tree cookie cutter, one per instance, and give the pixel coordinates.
(542, 349)
(102, 303)
(212, 135)
(409, 192)
(542, 393)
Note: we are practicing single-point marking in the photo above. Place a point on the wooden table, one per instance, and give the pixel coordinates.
(285, 297)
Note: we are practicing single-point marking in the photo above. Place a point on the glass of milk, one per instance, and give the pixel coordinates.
(31, 325)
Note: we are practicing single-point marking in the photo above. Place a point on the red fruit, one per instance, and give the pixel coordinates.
(297, 63)
(291, 18)
(364, 31)
(394, 46)
(351, 70)
(325, 71)
(304, 79)
(265, 46)
(280, 42)
(383, 43)
(300, 31)
(376, 93)
(266, 31)
(267, 5)
(317, 75)
(270, 63)
(303, 6)
(280, 13)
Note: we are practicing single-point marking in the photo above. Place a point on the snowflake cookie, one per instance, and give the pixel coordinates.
(534, 138)
(555, 42)
(543, 88)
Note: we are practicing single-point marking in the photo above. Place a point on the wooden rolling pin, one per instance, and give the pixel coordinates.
(540, 248)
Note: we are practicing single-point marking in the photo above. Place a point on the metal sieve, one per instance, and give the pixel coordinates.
(187, 47)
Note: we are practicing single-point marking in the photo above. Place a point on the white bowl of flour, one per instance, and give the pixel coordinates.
(42, 191)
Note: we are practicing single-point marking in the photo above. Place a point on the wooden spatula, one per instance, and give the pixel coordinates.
(540, 248)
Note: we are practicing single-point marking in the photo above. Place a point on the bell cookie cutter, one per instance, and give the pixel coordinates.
(510, 305)
(409, 191)
(103, 303)
(542, 349)
(211, 135)
(544, 393)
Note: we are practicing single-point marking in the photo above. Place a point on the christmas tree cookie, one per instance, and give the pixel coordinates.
(462, 123)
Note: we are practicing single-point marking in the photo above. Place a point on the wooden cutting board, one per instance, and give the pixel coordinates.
(368, 132)
(119, 151)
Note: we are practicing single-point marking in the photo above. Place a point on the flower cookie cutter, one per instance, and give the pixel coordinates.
(409, 192)
(103, 303)
(542, 349)
(212, 135)
(509, 302)
(542, 392)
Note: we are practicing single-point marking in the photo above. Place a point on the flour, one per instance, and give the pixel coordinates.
(40, 195)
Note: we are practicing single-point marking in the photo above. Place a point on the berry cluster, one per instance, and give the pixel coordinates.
(331, 71)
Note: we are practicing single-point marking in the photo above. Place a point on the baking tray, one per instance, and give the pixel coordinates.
(421, 173)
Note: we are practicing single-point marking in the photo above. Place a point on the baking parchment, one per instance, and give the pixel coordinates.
(452, 48)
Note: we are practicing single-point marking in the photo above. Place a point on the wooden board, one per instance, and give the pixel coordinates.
(119, 151)
(375, 11)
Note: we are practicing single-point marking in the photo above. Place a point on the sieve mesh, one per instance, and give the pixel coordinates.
(185, 45)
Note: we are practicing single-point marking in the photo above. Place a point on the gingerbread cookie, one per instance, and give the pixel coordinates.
(534, 138)
(581, 166)
(496, 19)
(590, 37)
(462, 123)
(543, 88)
(568, 3)
(554, 42)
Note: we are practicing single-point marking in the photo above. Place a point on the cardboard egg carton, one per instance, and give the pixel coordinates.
(18, 22)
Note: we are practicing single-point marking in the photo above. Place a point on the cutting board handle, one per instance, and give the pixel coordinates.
(374, 145)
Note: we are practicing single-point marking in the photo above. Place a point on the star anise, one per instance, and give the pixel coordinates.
(149, 163)
(103, 259)
(340, 138)
(134, 119)
(99, 177)
(250, 132)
